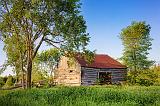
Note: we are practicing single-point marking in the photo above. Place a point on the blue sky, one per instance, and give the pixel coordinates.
(106, 18)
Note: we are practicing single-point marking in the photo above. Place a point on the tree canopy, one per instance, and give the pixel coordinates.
(136, 41)
(56, 22)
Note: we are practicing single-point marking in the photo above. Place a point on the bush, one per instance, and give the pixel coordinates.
(9, 82)
(5, 79)
(144, 77)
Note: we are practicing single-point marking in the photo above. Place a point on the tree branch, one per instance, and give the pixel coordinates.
(38, 46)
(46, 39)
(51, 43)
(5, 5)
(37, 35)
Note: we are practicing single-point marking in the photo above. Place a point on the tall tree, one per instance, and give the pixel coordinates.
(57, 22)
(136, 41)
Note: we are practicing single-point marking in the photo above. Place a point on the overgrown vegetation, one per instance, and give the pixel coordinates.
(145, 77)
(83, 96)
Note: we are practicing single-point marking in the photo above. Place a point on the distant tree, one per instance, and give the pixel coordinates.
(48, 60)
(38, 74)
(136, 41)
(57, 22)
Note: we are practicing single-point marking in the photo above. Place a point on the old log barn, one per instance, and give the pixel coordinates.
(104, 70)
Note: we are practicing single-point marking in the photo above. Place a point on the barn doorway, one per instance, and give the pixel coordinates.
(105, 77)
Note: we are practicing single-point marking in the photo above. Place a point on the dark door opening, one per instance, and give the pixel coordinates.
(105, 77)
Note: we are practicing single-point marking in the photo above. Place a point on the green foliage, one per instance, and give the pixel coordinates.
(15, 48)
(136, 41)
(84, 96)
(58, 22)
(145, 77)
(9, 82)
(89, 56)
(156, 70)
(5, 78)
(2, 82)
(32, 22)
(48, 59)
(38, 74)
(3, 67)
(46, 62)
(47, 56)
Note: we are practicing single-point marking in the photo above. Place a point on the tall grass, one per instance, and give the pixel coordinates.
(83, 96)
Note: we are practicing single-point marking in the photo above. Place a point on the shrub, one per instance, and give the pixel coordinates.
(143, 77)
(9, 82)
(146, 77)
(5, 79)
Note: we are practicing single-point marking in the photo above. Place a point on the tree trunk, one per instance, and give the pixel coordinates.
(23, 85)
(22, 70)
(29, 71)
(135, 73)
(51, 77)
(29, 60)
(23, 78)
(16, 78)
(135, 59)
(29, 65)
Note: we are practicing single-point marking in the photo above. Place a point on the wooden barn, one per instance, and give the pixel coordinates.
(104, 69)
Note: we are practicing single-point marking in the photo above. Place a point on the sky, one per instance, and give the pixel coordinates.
(106, 18)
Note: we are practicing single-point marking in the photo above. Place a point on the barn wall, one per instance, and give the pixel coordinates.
(117, 75)
(90, 75)
(64, 76)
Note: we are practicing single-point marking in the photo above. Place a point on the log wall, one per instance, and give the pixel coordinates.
(90, 75)
(75, 75)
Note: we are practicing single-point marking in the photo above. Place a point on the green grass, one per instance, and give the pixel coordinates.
(83, 96)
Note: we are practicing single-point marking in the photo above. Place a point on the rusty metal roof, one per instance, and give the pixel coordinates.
(100, 61)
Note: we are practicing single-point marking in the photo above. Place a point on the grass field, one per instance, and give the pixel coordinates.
(83, 96)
